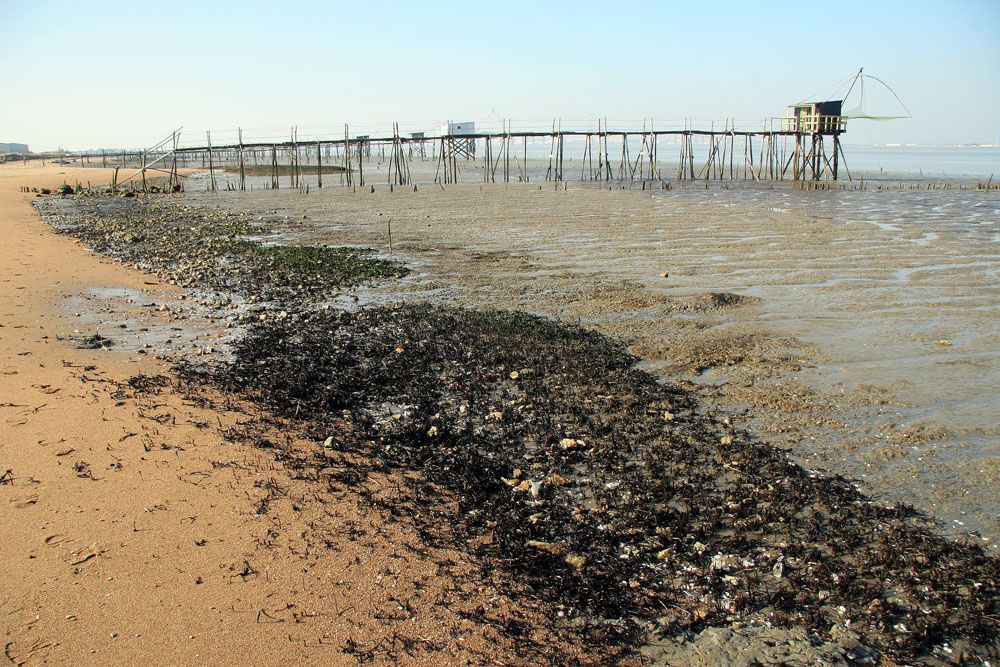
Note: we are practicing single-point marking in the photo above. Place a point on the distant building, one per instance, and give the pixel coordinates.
(13, 148)
(465, 127)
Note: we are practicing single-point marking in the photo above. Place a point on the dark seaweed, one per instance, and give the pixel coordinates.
(606, 491)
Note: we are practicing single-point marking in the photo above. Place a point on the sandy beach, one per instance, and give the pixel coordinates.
(264, 431)
(134, 530)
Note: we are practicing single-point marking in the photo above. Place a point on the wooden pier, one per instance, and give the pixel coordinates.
(790, 148)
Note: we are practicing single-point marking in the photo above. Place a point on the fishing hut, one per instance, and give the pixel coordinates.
(418, 144)
(460, 139)
(810, 122)
(363, 145)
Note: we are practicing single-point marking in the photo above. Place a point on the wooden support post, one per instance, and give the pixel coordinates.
(599, 175)
(655, 174)
(347, 154)
(836, 154)
(319, 165)
(691, 156)
(560, 154)
(815, 157)
(607, 154)
(840, 147)
(732, 148)
(293, 176)
(506, 153)
(683, 158)
(552, 151)
(487, 161)
(243, 173)
(797, 156)
(211, 164)
(440, 160)
(275, 184)
(174, 179)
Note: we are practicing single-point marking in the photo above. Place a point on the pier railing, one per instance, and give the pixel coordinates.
(814, 124)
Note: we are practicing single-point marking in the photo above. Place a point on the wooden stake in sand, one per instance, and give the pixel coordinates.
(243, 174)
(319, 165)
(213, 187)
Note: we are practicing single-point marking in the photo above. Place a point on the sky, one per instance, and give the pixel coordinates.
(84, 75)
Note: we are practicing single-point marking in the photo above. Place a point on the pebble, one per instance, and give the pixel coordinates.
(571, 443)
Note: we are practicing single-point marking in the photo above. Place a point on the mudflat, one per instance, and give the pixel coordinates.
(859, 329)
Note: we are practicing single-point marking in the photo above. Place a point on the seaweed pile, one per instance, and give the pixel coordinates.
(215, 250)
(607, 492)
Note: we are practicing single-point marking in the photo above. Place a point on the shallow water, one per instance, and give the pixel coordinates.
(873, 351)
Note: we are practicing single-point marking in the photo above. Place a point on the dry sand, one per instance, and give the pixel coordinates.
(134, 531)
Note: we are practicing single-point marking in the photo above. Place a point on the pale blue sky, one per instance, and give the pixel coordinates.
(85, 74)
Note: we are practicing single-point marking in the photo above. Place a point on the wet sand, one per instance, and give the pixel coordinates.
(863, 335)
(134, 531)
